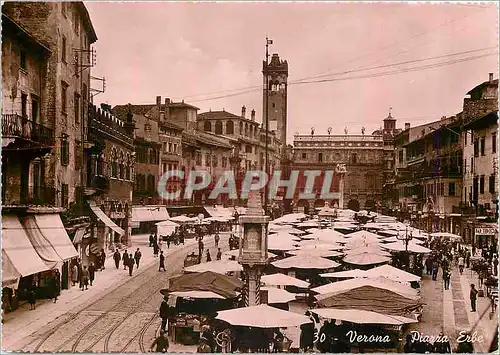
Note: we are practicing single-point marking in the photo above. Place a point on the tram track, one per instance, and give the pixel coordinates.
(134, 301)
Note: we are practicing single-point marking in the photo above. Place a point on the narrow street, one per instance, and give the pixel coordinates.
(124, 320)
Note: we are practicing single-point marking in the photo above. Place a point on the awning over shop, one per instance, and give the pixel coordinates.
(22, 259)
(105, 219)
(53, 229)
(149, 214)
(79, 235)
(42, 245)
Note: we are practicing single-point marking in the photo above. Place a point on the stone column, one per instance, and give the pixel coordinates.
(252, 295)
(341, 191)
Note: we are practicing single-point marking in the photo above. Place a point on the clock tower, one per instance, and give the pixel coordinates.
(275, 81)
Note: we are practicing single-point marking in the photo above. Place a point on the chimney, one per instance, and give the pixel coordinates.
(243, 111)
(167, 101)
(407, 126)
(253, 115)
(158, 101)
(491, 78)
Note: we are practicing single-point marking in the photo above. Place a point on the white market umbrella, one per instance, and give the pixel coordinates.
(344, 225)
(183, 219)
(316, 244)
(236, 253)
(351, 284)
(307, 224)
(283, 236)
(277, 295)
(365, 259)
(375, 250)
(285, 229)
(365, 235)
(359, 316)
(166, 227)
(412, 247)
(280, 245)
(315, 252)
(348, 274)
(197, 294)
(290, 218)
(283, 280)
(305, 262)
(217, 266)
(262, 316)
(392, 273)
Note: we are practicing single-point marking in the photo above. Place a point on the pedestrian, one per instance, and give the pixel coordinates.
(428, 265)
(446, 278)
(130, 264)
(161, 343)
(168, 241)
(473, 249)
(209, 258)
(137, 257)
(162, 262)
(32, 297)
(219, 254)
(473, 297)
(54, 286)
(151, 239)
(164, 310)
(461, 264)
(435, 269)
(125, 259)
(467, 259)
(92, 270)
(217, 238)
(85, 278)
(495, 266)
(74, 274)
(102, 259)
(80, 274)
(117, 258)
(155, 249)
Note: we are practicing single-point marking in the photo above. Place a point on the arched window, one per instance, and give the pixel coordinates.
(127, 167)
(112, 207)
(207, 126)
(229, 127)
(114, 164)
(246, 129)
(120, 208)
(152, 156)
(121, 166)
(218, 127)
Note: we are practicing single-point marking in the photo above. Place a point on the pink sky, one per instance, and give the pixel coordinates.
(182, 50)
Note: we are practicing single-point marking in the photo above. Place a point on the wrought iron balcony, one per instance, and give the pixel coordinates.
(16, 126)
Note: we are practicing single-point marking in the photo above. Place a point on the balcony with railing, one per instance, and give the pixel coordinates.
(18, 195)
(16, 126)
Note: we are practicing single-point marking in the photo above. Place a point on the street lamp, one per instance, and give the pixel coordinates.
(405, 238)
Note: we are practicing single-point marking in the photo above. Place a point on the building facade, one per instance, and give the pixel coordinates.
(46, 60)
(66, 29)
(275, 75)
(110, 161)
(479, 205)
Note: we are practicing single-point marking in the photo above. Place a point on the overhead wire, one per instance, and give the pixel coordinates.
(245, 90)
(366, 76)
